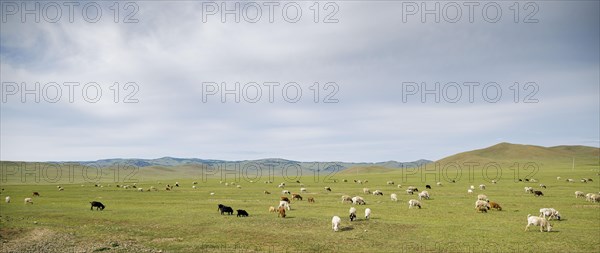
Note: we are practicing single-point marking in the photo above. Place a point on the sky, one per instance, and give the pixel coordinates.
(351, 81)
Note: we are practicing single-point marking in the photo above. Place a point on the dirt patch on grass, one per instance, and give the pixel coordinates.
(46, 240)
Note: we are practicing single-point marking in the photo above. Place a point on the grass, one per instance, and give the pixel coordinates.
(186, 219)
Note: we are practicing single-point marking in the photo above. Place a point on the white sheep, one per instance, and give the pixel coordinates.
(366, 191)
(472, 187)
(481, 187)
(193, 187)
(394, 197)
(358, 200)
(346, 198)
(335, 223)
(538, 221)
(399, 186)
(439, 183)
(494, 181)
(390, 182)
(588, 197)
(414, 202)
(238, 186)
(284, 204)
(595, 198)
(469, 191)
(549, 213)
(557, 178)
(212, 194)
(7, 199)
(528, 189)
(367, 213)
(140, 189)
(28, 200)
(302, 190)
(579, 194)
(285, 192)
(570, 180)
(423, 195)
(482, 203)
(378, 192)
(481, 197)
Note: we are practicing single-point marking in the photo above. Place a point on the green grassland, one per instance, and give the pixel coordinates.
(186, 219)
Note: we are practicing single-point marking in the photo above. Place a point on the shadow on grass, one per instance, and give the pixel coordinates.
(347, 228)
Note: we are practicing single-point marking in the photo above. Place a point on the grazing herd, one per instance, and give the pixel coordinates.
(482, 204)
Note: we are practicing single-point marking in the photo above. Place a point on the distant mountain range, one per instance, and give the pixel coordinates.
(275, 163)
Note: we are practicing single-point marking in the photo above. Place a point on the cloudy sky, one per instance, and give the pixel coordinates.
(357, 85)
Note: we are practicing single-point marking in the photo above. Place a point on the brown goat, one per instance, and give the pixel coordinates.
(311, 200)
(281, 212)
(495, 206)
(36, 194)
(286, 199)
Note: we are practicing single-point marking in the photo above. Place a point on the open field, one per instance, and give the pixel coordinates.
(187, 220)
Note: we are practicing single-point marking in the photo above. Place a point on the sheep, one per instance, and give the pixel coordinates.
(481, 197)
(302, 190)
(538, 221)
(480, 203)
(358, 201)
(212, 194)
(412, 188)
(472, 187)
(423, 194)
(469, 191)
(271, 209)
(394, 197)
(366, 191)
(579, 194)
(284, 204)
(596, 197)
(346, 198)
(97, 205)
(176, 184)
(296, 196)
(584, 180)
(311, 200)
(409, 191)
(549, 213)
(494, 181)
(481, 187)
(225, 209)
(327, 188)
(345, 180)
(281, 212)
(28, 200)
(140, 189)
(533, 180)
(367, 213)
(495, 205)
(378, 192)
(284, 198)
(226, 184)
(238, 186)
(36, 194)
(390, 182)
(352, 213)
(427, 186)
(242, 213)
(481, 209)
(570, 180)
(7, 199)
(399, 186)
(439, 183)
(62, 189)
(194, 182)
(558, 178)
(414, 202)
(285, 192)
(538, 193)
(282, 185)
(335, 223)
(543, 186)
(588, 197)
(528, 189)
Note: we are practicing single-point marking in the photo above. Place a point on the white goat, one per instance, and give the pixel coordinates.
(538, 221)
(284, 204)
